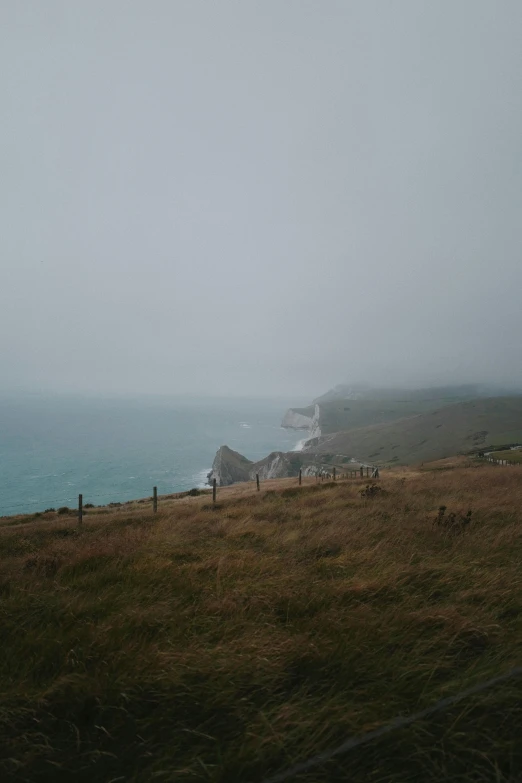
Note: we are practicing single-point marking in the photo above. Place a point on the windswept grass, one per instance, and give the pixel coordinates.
(225, 644)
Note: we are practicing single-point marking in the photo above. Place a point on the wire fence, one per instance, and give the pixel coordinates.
(58, 501)
(397, 723)
(495, 461)
(61, 499)
(324, 473)
(54, 501)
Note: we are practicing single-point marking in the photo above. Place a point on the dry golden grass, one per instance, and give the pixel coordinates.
(227, 643)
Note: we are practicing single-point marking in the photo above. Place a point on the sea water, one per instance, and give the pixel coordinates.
(54, 447)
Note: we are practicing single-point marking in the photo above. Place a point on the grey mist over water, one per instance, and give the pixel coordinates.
(259, 198)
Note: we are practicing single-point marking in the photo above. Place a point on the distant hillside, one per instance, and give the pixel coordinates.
(460, 427)
(343, 392)
(361, 392)
(374, 406)
(338, 415)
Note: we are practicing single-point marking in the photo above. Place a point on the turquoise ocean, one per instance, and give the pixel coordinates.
(54, 447)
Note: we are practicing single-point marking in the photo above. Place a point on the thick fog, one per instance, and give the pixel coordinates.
(259, 197)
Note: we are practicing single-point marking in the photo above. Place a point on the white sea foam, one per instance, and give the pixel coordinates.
(200, 479)
(299, 446)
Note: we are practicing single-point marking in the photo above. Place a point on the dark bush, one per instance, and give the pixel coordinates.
(49, 510)
(453, 523)
(64, 510)
(372, 490)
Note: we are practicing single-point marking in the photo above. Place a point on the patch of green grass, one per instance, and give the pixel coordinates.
(513, 455)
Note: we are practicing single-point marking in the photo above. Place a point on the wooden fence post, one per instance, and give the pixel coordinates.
(334, 476)
(300, 476)
(80, 509)
(257, 481)
(214, 490)
(362, 471)
(154, 499)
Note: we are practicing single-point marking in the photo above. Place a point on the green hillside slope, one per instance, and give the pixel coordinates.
(337, 415)
(461, 427)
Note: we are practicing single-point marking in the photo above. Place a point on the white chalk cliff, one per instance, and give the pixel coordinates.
(295, 420)
(230, 467)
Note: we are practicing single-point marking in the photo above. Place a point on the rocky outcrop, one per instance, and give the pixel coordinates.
(278, 465)
(228, 467)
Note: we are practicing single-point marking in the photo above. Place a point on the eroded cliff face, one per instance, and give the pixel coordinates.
(277, 465)
(315, 429)
(297, 419)
(228, 467)
(293, 420)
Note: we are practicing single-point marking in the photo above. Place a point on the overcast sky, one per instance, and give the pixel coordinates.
(259, 196)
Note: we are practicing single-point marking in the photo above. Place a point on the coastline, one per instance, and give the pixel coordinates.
(118, 450)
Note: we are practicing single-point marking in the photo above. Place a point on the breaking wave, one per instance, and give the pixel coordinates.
(299, 446)
(200, 479)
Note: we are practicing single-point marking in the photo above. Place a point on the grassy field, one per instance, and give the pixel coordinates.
(226, 644)
(513, 455)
